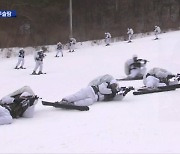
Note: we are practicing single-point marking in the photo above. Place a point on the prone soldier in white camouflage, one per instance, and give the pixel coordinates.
(20, 103)
(157, 77)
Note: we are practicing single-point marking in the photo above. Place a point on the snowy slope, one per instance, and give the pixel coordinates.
(138, 124)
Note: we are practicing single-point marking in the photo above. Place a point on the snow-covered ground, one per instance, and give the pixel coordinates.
(138, 124)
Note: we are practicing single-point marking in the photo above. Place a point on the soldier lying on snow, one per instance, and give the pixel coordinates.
(157, 77)
(20, 103)
(100, 89)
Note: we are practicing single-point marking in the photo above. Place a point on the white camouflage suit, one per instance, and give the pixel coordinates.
(107, 38)
(133, 72)
(87, 96)
(107, 78)
(157, 31)
(130, 33)
(39, 56)
(5, 116)
(100, 79)
(20, 58)
(72, 42)
(59, 49)
(154, 77)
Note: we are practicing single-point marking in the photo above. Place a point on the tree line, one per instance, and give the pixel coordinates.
(41, 22)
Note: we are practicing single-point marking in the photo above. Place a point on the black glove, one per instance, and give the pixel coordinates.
(148, 75)
(131, 87)
(32, 100)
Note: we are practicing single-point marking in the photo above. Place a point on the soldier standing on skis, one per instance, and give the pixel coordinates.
(20, 59)
(59, 49)
(39, 62)
(157, 30)
(72, 42)
(107, 38)
(157, 77)
(135, 68)
(130, 33)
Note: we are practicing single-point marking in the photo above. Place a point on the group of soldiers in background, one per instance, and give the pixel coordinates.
(130, 32)
(39, 56)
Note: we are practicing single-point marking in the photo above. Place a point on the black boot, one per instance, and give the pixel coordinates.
(40, 72)
(34, 73)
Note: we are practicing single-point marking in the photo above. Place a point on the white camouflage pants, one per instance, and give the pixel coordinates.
(20, 61)
(84, 97)
(107, 41)
(59, 51)
(137, 72)
(71, 46)
(39, 64)
(156, 35)
(130, 37)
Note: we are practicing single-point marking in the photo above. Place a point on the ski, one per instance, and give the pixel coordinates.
(34, 74)
(64, 106)
(170, 86)
(37, 74)
(19, 68)
(129, 79)
(22, 68)
(142, 91)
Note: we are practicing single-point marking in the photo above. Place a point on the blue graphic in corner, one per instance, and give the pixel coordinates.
(7, 13)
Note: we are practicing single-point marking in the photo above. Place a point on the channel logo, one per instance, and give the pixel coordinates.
(7, 13)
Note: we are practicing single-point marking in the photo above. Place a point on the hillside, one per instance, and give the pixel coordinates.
(137, 124)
